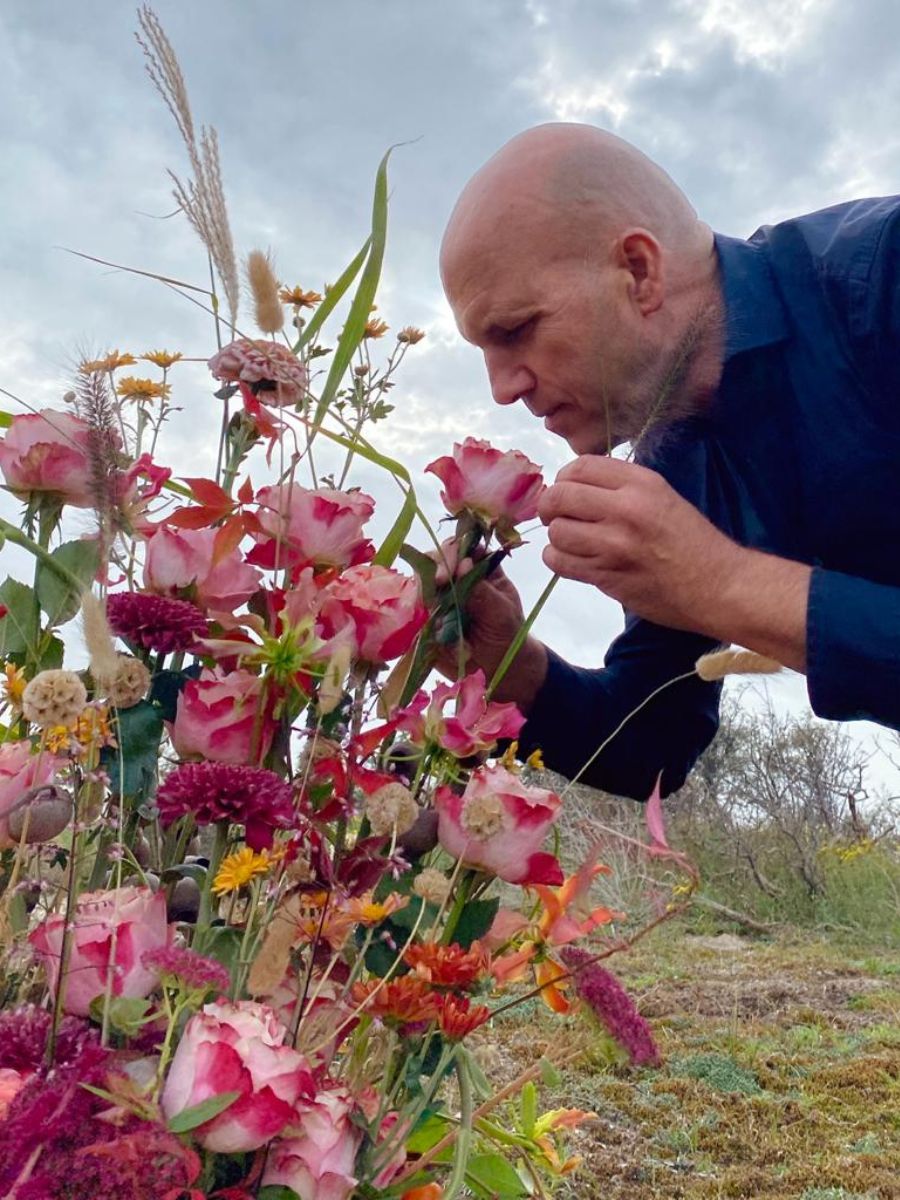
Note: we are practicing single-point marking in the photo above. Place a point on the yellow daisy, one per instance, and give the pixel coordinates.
(239, 868)
(130, 388)
(162, 358)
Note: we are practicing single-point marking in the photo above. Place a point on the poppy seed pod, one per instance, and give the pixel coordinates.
(47, 810)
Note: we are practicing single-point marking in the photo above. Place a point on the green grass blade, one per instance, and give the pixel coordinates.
(352, 333)
(332, 298)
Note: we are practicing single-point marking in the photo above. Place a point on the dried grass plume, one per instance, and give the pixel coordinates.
(719, 663)
(264, 286)
(104, 660)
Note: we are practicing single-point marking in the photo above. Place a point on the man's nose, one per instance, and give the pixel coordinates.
(509, 381)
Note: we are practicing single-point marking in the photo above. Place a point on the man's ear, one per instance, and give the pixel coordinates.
(640, 254)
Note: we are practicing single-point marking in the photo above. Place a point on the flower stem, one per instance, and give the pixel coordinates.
(519, 640)
(15, 535)
(464, 1138)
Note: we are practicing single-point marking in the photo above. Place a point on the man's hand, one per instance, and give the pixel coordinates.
(494, 616)
(622, 528)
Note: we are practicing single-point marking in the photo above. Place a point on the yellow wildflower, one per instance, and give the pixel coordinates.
(375, 328)
(410, 334)
(111, 362)
(366, 911)
(130, 388)
(239, 868)
(13, 684)
(535, 760)
(162, 358)
(508, 757)
(299, 298)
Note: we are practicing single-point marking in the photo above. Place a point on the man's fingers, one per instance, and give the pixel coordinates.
(573, 537)
(572, 499)
(599, 470)
(570, 566)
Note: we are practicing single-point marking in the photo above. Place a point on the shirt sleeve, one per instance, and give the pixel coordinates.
(579, 710)
(853, 649)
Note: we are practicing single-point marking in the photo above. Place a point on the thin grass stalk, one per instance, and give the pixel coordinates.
(519, 640)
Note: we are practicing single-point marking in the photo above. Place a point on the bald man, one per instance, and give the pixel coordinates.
(759, 384)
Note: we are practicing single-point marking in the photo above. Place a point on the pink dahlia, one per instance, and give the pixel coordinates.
(271, 370)
(155, 622)
(213, 791)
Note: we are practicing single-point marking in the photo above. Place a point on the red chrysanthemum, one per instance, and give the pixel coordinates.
(189, 967)
(155, 622)
(406, 1000)
(213, 791)
(458, 1016)
(447, 966)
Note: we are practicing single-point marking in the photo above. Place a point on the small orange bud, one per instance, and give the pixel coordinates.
(427, 1191)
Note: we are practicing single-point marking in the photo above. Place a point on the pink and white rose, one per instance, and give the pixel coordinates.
(499, 825)
(237, 1047)
(317, 1157)
(476, 725)
(181, 563)
(305, 527)
(375, 609)
(48, 452)
(111, 932)
(499, 488)
(20, 770)
(216, 717)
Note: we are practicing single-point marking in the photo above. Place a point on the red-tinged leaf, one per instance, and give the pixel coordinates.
(245, 492)
(210, 494)
(193, 518)
(228, 538)
(366, 743)
(252, 523)
(656, 825)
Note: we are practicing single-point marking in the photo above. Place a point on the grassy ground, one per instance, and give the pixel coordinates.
(781, 1074)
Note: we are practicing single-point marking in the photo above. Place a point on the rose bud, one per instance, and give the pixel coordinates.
(48, 810)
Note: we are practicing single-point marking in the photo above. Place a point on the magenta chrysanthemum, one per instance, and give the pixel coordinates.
(212, 791)
(188, 967)
(613, 1007)
(155, 622)
(269, 367)
(23, 1038)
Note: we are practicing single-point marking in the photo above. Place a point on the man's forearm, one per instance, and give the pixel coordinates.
(761, 603)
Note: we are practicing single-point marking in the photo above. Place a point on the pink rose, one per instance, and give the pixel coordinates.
(237, 1048)
(301, 527)
(216, 716)
(500, 488)
(499, 825)
(48, 452)
(476, 725)
(111, 932)
(376, 609)
(179, 563)
(20, 770)
(317, 1159)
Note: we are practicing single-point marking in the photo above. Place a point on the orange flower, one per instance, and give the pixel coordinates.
(375, 328)
(426, 1191)
(447, 966)
(161, 358)
(406, 999)
(111, 362)
(410, 334)
(363, 910)
(298, 297)
(13, 684)
(131, 388)
(458, 1016)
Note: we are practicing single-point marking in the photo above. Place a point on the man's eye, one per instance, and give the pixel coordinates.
(509, 336)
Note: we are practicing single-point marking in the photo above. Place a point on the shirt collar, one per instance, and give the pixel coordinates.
(754, 312)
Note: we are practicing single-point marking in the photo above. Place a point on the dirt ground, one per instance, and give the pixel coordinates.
(781, 1073)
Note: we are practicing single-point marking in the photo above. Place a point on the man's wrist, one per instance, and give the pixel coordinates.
(526, 676)
(762, 604)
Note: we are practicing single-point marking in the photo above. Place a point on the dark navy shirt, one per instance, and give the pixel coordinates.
(800, 456)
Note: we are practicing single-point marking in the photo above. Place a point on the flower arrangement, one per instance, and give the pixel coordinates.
(250, 915)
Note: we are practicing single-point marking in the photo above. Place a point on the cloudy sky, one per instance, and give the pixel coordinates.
(758, 111)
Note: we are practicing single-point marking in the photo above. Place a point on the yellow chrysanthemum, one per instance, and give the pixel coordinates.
(298, 297)
(239, 869)
(130, 388)
(162, 358)
(111, 362)
(12, 684)
(375, 328)
(410, 334)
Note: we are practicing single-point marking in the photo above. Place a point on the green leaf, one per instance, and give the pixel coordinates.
(59, 597)
(529, 1108)
(126, 1013)
(223, 943)
(332, 298)
(550, 1074)
(277, 1192)
(133, 765)
(426, 569)
(199, 1114)
(351, 334)
(20, 627)
(52, 653)
(427, 1134)
(490, 1176)
(390, 547)
(5, 420)
(476, 919)
(167, 687)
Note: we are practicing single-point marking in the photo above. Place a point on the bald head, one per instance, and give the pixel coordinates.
(568, 189)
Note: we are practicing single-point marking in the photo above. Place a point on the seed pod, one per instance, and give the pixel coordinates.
(48, 811)
(184, 902)
(422, 837)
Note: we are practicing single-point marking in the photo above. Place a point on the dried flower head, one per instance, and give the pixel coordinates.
(155, 622)
(272, 960)
(179, 966)
(298, 298)
(720, 663)
(131, 388)
(391, 809)
(54, 698)
(264, 286)
(411, 335)
(239, 869)
(432, 885)
(375, 328)
(213, 791)
(162, 358)
(128, 685)
(270, 369)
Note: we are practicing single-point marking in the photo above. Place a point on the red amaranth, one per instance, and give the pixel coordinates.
(613, 1007)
